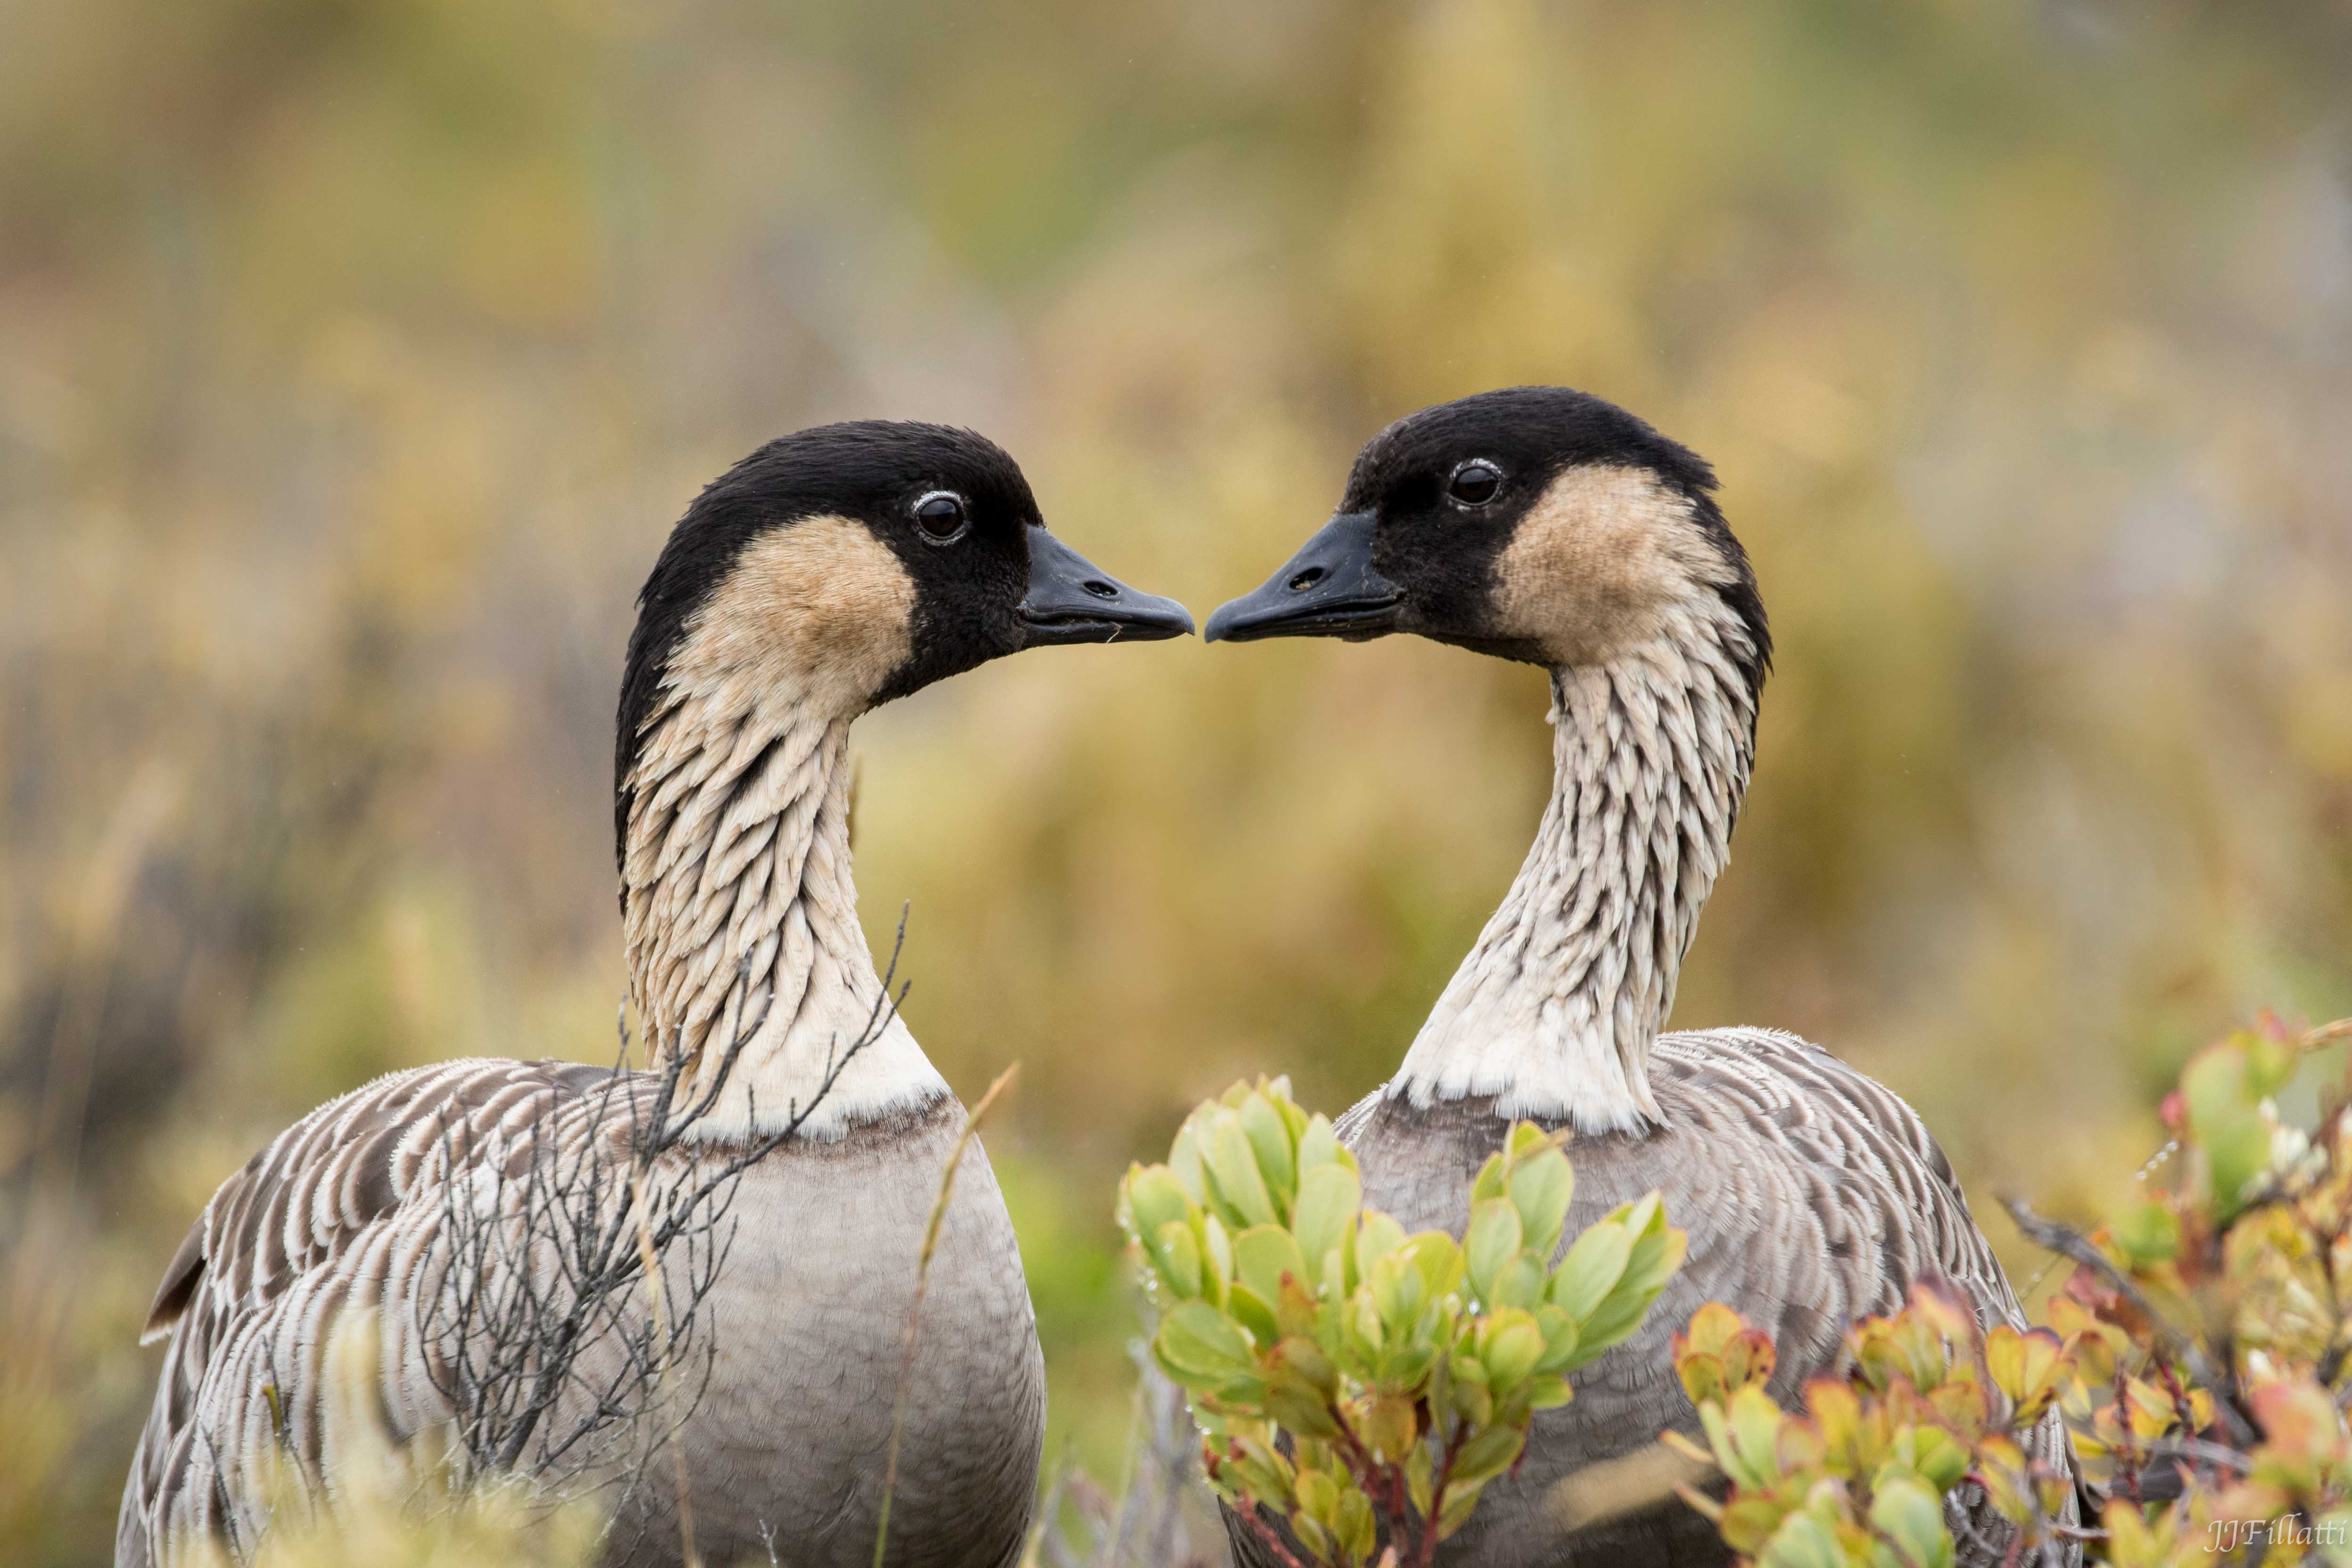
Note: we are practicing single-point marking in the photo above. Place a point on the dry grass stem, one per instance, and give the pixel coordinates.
(915, 1310)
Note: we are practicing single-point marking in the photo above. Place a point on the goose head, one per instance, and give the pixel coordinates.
(1544, 525)
(1536, 523)
(842, 567)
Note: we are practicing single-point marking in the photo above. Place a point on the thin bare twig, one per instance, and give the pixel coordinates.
(688, 1555)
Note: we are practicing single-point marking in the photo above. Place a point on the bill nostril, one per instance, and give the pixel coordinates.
(1101, 589)
(1305, 579)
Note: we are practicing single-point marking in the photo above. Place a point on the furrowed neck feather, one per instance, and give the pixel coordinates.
(1554, 1011)
(741, 916)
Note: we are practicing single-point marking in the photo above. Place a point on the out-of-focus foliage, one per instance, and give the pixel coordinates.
(2196, 1355)
(355, 354)
(402, 1504)
(1354, 1385)
(1161, 1514)
(467, 1531)
(1858, 1479)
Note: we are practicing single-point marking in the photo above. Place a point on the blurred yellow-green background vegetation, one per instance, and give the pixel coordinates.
(355, 356)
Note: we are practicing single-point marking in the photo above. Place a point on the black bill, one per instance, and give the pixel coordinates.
(1070, 600)
(1330, 588)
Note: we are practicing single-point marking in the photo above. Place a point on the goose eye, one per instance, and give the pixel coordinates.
(943, 516)
(1475, 483)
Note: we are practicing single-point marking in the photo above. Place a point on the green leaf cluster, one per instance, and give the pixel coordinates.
(1359, 1386)
(1856, 1479)
(2198, 1358)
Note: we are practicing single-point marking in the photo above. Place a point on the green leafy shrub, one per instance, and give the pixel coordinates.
(2196, 1355)
(1354, 1384)
(1857, 1477)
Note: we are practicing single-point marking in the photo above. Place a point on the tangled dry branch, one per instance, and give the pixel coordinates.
(543, 1330)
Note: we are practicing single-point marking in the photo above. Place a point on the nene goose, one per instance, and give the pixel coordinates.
(1543, 524)
(830, 572)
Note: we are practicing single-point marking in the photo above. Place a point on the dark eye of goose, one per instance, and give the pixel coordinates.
(1475, 483)
(942, 516)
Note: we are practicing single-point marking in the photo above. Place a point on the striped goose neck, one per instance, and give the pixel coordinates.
(1554, 1011)
(740, 915)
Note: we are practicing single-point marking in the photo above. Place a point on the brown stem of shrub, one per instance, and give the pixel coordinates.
(2071, 1243)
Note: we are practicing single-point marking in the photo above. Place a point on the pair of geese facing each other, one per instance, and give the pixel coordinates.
(839, 567)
